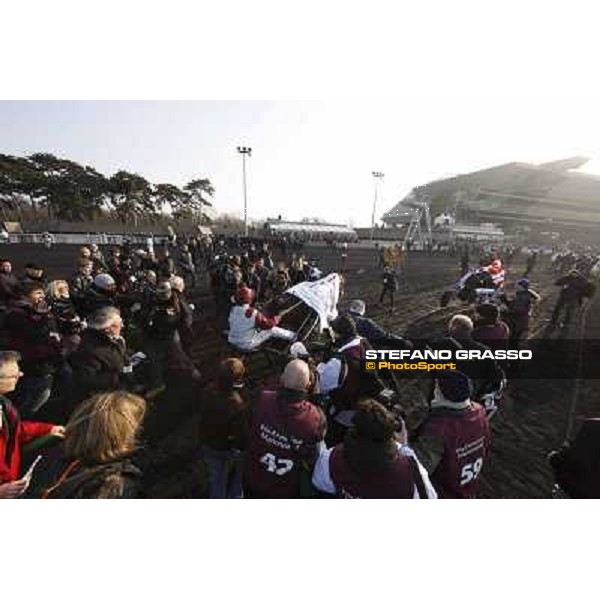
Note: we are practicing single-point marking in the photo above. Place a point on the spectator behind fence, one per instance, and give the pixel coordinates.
(15, 433)
(9, 284)
(98, 457)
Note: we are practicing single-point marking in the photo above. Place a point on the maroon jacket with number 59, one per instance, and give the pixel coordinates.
(457, 439)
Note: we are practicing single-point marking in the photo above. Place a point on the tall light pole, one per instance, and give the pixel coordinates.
(378, 175)
(245, 151)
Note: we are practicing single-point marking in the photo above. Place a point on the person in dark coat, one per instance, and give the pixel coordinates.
(80, 282)
(98, 260)
(33, 274)
(9, 284)
(574, 288)
(165, 265)
(163, 317)
(100, 363)
(29, 328)
(486, 376)
(102, 293)
(390, 285)
(186, 311)
(489, 329)
(224, 431)
(576, 464)
(373, 461)
(367, 328)
(520, 309)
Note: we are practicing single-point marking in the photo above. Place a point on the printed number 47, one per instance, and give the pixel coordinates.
(279, 466)
(470, 471)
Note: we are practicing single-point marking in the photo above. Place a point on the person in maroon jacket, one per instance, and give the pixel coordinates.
(452, 442)
(14, 433)
(373, 461)
(286, 435)
(342, 378)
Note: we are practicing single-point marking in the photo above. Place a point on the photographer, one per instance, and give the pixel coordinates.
(373, 461)
(298, 350)
(342, 378)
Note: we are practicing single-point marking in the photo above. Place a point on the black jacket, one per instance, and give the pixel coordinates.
(95, 299)
(367, 328)
(485, 375)
(117, 479)
(97, 364)
(27, 331)
(9, 286)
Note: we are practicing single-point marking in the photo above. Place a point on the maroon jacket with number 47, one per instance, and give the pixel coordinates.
(285, 431)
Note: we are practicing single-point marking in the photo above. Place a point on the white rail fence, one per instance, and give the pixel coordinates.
(81, 238)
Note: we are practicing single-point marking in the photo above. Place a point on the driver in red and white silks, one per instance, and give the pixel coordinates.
(249, 328)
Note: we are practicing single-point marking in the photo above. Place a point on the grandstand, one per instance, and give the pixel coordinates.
(546, 198)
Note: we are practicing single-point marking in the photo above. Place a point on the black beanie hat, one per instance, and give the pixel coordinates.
(455, 386)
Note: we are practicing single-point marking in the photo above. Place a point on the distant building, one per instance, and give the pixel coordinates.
(550, 196)
(311, 229)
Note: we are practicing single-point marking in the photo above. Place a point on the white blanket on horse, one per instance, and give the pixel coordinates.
(321, 295)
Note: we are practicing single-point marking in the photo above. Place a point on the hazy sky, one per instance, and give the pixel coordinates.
(309, 158)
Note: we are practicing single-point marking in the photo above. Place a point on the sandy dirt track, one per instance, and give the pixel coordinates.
(532, 422)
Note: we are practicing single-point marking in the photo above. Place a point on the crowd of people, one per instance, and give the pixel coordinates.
(95, 350)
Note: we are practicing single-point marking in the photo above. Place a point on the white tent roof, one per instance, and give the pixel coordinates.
(290, 226)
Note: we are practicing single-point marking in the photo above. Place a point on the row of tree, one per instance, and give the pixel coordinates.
(66, 190)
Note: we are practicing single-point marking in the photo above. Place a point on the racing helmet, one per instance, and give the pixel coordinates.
(245, 295)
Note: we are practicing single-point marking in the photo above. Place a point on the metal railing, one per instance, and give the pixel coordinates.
(100, 239)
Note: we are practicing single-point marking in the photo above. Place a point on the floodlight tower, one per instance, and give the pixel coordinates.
(378, 175)
(245, 151)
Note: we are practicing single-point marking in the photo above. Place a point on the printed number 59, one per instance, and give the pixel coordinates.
(279, 466)
(470, 471)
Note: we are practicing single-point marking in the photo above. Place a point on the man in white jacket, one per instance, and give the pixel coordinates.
(249, 328)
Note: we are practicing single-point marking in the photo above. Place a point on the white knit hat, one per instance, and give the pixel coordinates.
(298, 350)
(104, 281)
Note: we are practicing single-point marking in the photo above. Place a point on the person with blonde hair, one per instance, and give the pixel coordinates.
(101, 439)
(59, 299)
